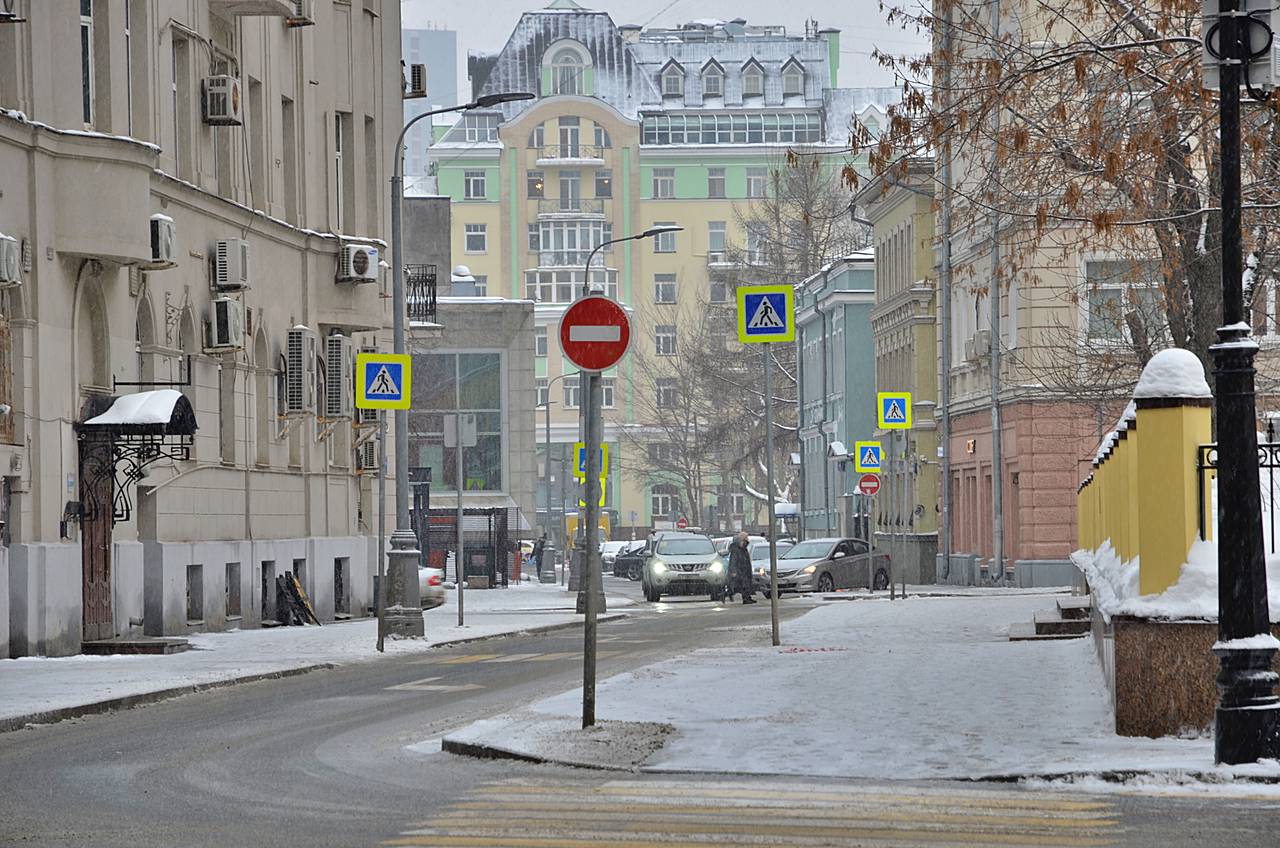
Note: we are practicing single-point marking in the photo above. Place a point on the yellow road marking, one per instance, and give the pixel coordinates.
(467, 658)
(896, 837)
(559, 655)
(784, 797)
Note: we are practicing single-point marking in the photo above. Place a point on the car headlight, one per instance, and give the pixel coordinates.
(809, 569)
(659, 566)
(717, 566)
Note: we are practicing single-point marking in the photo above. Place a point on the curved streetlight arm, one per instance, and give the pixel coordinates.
(653, 231)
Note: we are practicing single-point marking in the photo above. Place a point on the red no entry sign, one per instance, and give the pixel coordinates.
(868, 484)
(595, 333)
(682, 523)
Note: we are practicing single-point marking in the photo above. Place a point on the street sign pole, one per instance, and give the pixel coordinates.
(768, 473)
(382, 528)
(892, 504)
(591, 548)
(459, 568)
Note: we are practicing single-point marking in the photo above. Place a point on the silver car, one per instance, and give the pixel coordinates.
(683, 564)
(824, 565)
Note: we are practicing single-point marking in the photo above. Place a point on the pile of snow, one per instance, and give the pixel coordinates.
(1193, 595)
(1173, 373)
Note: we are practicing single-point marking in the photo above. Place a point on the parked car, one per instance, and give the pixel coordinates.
(824, 565)
(683, 564)
(760, 553)
(609, 553)
(431, 587)
(629, 562)
(722, 543)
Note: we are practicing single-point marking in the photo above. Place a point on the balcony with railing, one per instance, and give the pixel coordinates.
(569, 258)
(420, 292)
(571, 154)
(554, 207)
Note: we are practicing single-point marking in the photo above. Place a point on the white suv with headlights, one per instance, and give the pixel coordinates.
(683, 564)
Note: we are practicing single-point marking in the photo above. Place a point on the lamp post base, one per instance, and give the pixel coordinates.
(1247, 720)
(402, 618)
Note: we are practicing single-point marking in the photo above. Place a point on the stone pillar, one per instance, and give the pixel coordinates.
(1174, 420)
(403, 614)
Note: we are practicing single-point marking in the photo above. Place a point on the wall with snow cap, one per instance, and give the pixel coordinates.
(1173, 373)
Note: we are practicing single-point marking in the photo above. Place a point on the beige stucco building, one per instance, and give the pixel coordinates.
(187, 185)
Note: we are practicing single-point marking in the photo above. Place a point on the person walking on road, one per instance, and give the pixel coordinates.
(536, 557)
(740, 579)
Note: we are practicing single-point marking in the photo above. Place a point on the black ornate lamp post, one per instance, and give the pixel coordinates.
(1247, 724)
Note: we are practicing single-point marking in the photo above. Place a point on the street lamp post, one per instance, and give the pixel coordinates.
(404, 616)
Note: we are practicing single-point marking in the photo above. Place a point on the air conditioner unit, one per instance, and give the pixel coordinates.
(982, 343)
(358, 263)
(164, 236)
(339, 376)
(969, 354)
(369, 455)
(231, 265)
(300, 370)
(417, 82)
(10, 262)
(225, 328)
(304, 14)
(221, 102)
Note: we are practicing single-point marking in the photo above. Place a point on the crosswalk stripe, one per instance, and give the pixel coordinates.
(468, 658)
(511, 658)
(559, 655)
(853, 837)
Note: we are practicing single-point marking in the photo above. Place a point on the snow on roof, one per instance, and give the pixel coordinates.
(154, 407)
(1173, 373)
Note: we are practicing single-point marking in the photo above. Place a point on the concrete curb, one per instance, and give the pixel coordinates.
(1119, 777)
(125, 702)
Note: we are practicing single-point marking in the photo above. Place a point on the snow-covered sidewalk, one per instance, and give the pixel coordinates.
(922, 688)
(33, 686)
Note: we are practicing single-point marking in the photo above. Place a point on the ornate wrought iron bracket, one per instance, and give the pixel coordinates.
(130, 457)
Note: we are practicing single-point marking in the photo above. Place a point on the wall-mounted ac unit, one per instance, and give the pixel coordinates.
(300, 370)
(231, 265)
(304, 14)
(225, 328)
(982, 343)
(417, 82)
(10, 262)
(369, 455)
(164, 238)
(253, 8)
(222, 104)
(969, 354)
(358, 263)
(339, 376)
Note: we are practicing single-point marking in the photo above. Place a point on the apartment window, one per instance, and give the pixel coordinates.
(672, 82)
(86, 60)
(792, 80)
(715, 241)
(477, 238)
(570, 190)
(606, 391)
(664, 339)
(665, 393)
(480, 127)
(663, 500)
(128, 67)
(712, 82)
(738, 503)
(604, 183)
(537, 138)
(338, 170)
(1118, 288)
(543, 387)
(535, 242)
(539, 341)
(757, 249)
(664, 242)
(473, 185)
(753, 82)
(718, 291)
(661, 452)
(757, 182)
(664, 288)
(566, 72)
(570, 136)
(563, 285)
(290, 157)
(602, 138)
(481, 284)
(571, 392)
(734, 128)
(181, 89)
(257, 149)
(715, 182)
(537, 184)
(664, 182)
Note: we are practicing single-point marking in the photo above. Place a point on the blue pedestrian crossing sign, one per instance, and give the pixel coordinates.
(580, 465)
(383, 380)
(866, 457)
(893, 410)
(766, 314)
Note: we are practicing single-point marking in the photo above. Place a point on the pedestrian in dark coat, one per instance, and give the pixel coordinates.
(536, 556)
(740, 576)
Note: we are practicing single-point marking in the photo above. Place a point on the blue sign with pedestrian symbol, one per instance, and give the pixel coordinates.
(382, 381)
(866, 457)
(894, 410)
(766, 314)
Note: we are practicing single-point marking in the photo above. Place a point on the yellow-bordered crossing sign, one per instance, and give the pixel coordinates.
(383, 380)
(766, 314)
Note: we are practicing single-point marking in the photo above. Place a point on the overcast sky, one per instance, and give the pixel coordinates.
(484, 25)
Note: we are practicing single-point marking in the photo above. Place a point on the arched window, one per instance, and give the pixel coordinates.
(262, 397)
(536, 138)
(752, 81)
(144, 338)
(712, 81)
(566, 72)
(792, 79)
(92, 339)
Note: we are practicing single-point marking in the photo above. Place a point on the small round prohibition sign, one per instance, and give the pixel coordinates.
(595, 333)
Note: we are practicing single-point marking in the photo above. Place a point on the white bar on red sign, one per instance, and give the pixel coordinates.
(596, 333)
